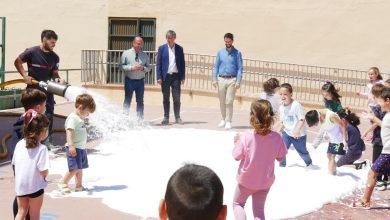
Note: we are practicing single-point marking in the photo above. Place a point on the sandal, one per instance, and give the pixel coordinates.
(63, 187)
(381, 185)
(80, 189)
(360, 204)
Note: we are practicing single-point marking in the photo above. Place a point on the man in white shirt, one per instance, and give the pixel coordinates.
(170, 71)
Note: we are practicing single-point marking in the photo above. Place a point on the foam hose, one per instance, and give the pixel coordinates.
(4, 145)
(6, 137)
(15, 81)
(4, 154)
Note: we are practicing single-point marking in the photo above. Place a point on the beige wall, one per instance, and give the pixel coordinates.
(337, 33)
(79, 25)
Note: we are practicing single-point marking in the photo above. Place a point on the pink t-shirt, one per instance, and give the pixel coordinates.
(257, 154)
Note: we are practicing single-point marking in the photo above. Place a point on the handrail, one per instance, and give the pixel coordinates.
(102, 67)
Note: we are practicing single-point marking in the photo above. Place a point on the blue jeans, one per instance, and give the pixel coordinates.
(137, 86)
(299, 145)
(172, 80)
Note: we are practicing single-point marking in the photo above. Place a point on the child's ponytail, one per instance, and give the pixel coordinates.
(351, 118)
(34, 124)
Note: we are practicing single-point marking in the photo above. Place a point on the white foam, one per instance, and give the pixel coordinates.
(131, 169)
(108, 118)
(73, 91)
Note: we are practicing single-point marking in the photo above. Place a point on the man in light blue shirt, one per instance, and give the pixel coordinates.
(135, 63)
(227, 77)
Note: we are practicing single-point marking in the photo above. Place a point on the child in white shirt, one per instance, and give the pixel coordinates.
(31, 161)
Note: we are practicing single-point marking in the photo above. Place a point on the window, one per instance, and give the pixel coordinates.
(121, 34)
(123, 30)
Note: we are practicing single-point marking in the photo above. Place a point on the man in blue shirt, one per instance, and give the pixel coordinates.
(227, 77)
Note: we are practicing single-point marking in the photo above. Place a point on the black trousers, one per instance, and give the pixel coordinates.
(171, 81)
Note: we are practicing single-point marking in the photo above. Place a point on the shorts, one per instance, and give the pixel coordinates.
(34, 195)
(382, 165)
(336, 149)
(80, 161)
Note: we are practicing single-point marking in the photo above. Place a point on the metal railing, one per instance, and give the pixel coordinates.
(102, 67)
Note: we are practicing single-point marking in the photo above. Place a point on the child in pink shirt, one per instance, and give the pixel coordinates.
(257, 151)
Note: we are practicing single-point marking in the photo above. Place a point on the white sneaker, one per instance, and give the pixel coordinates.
(221, 124)
(228, 125)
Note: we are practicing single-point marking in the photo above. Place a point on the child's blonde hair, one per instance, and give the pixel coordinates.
(261, 116)
(376, 90)
(378, 73)
(85, 101)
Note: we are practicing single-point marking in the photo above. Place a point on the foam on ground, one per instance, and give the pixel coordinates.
(131, 168)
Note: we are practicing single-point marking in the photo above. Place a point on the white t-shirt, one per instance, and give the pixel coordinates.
(385, 134)
(290, 115)
(332, 129)
(274, 99)
(28, 164)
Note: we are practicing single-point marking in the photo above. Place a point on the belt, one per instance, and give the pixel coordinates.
(172, 73)
(136, 79)
(226, 76)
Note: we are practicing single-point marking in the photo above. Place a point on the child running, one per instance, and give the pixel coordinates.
(292, 121)
(332, 102)
(76, 138)
(377, 145)
(31, 161)
(354, 141)
(257, 150)
(332, 125)
(382, 164)
(271, 90)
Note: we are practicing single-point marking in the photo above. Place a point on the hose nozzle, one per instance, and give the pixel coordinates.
(53, 87)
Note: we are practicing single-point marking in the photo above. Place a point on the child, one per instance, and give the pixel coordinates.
(332, 102)
(354, 141)
(257, 150)
(76, 138)
(332, 125)
(31, 99)
(292, 121)
(193, 192)
(375, 78)
(331, 97)
(382, 164)
(31, 161)
(271, 89)
(377, 145)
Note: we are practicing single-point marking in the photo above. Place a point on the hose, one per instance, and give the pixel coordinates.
(15, 81)
(5, 147)
(4, 154)
(6, 137)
